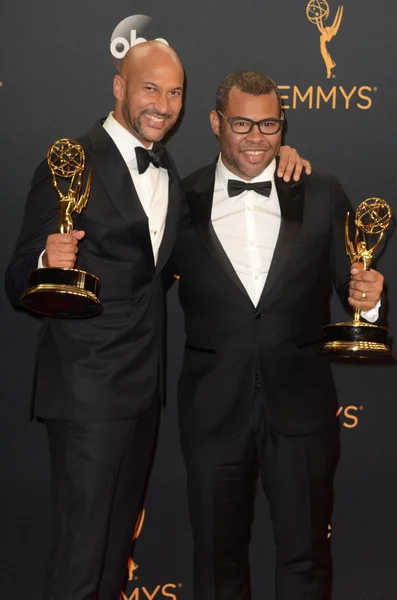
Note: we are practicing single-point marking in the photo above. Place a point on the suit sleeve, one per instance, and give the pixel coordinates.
(340, 206)
(40, 220)
(171, 270)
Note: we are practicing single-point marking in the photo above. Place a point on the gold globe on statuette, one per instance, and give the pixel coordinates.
(57, 291)
(358, 338)
(317, 10)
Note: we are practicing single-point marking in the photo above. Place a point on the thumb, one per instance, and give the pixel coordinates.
(356, 268)
(78, 234)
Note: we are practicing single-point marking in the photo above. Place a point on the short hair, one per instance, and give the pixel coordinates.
(250, 82)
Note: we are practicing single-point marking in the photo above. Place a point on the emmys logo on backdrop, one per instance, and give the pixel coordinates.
(130, 32)
(349, 415)
(317, 11)
(166, 590)
(327, 25)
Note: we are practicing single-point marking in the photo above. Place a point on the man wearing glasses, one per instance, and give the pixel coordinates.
(257, 258)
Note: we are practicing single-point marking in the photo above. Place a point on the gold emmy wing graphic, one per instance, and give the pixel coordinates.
(132, 566)
(359, 338)
(317, 11)
(61, 292)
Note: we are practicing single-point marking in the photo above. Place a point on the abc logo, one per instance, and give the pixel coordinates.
(128, 33)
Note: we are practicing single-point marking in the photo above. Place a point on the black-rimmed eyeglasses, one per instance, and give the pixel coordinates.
(243, 125)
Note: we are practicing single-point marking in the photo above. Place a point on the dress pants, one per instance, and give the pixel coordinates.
(99, 473)
(296, 474)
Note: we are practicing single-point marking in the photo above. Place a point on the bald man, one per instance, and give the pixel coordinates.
(99, 381)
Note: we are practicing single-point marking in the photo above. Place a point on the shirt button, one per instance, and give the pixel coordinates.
(258, 315)
(256, 276)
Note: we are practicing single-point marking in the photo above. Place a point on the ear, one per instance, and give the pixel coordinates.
(119, 88)
(215, 122)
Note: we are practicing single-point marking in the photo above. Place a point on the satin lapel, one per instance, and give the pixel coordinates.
(200, 203)
(116, 178)
(172, 220)
(291, 199)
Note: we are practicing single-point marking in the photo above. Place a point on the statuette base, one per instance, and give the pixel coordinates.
(58, 292)
(355, 339)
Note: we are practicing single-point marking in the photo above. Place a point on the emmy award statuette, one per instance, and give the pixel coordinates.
(57, 291)
(358, 338)
(317, 11)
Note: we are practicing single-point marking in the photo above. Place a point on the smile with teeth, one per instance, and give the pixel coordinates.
(154, 118)
(254, 152)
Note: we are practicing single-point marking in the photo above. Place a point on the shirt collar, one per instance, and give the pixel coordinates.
(125, 141)
(223, 174)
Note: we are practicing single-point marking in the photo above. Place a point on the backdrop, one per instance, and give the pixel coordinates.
(57, 64)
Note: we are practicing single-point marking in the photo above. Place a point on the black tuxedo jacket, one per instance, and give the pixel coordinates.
(228, 337)
(109, 366)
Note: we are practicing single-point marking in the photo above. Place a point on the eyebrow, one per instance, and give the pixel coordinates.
(178, 87)
(248, 118)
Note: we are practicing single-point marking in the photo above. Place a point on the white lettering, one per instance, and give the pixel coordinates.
(119, 53)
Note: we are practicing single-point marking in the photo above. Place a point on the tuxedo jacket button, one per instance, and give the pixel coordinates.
(258, 315)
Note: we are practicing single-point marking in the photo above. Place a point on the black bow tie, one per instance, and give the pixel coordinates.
(157, 156)
(236, 187)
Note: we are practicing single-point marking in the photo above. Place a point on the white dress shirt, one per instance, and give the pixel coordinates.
(247, 226)
(151, 186)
